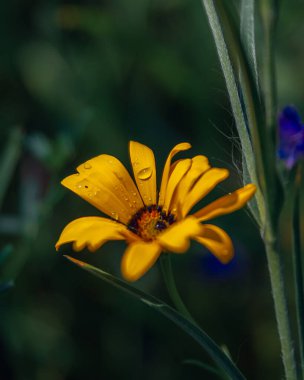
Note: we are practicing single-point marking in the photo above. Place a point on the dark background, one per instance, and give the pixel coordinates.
(82, 78)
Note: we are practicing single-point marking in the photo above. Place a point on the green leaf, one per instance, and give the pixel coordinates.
(240, 95)
(189, 327)
(248, 34)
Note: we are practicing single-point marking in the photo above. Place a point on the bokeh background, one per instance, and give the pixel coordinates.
(80, 78)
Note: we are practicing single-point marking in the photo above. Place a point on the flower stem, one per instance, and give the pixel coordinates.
(166, 267)
(298, 268)
(280, 304)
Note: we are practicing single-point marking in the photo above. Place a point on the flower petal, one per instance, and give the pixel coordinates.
(199, 166)
(227, 203)
(217, 241)
(178, 148)
(202, 187)
(143, 164)
(176, 176)
(138, 258)
(176, 238)
(106, 184)
(91, 231)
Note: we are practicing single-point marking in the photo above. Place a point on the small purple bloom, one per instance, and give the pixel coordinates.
(291, 136)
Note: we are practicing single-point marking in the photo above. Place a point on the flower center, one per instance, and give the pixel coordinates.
(149, 221)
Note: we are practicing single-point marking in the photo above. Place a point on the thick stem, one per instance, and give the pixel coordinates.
(280, 305)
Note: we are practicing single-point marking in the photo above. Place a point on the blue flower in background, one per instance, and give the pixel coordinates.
(291, 136)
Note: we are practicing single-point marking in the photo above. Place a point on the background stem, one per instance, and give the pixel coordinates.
(280, 304)
(298, 268)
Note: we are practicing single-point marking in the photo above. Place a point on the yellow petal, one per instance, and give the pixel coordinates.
(138, 258)
(217, 241)
(176, 176)
(92, 232)
(227, 203)
(106, 184)
(143, 164)
(199, 166)
(176, 238)
(202, 187)
(178, 148)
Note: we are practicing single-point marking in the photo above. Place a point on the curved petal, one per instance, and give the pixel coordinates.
(217, 241)
(106, 184)
(138, 258)
(178, 148)
(143, 164)
(227, 203)
(92, 232)
(202, 187)
(199, 166)
(176, 176)
(176, 238)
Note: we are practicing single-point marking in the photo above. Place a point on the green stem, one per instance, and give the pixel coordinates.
(166, 267)
(298, 269)
(280, 304)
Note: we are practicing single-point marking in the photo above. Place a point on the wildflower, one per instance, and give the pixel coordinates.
(291, 137)
(148, 223)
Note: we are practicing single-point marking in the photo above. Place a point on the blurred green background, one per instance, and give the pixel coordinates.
(81, 78)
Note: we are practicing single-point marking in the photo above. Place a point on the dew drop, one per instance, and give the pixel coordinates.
(115, 215)
(87, 165)
(90, 195)
(145, 173)
(134, 194)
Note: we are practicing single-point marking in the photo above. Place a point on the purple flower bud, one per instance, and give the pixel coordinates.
(291, 137)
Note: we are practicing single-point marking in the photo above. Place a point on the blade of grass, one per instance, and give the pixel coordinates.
(190, 328)
(247, 29)
(236, 96)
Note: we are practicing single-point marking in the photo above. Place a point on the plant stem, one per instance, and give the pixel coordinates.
(298, 268)
(280, 304)
(166, 267)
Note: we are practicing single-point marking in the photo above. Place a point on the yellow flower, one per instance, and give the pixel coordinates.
(151, 225)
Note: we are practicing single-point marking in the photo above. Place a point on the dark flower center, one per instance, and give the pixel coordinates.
(149, 221)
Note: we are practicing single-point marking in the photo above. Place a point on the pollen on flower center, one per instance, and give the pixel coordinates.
(149, 221)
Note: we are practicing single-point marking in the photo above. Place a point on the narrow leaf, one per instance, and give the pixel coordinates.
(248, 34)
(189, 327)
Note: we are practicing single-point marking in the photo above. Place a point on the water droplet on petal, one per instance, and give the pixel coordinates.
(79, 186)
(145, 173)
(90, 195)
(87, 165)
(114, 215)
(135, 194)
